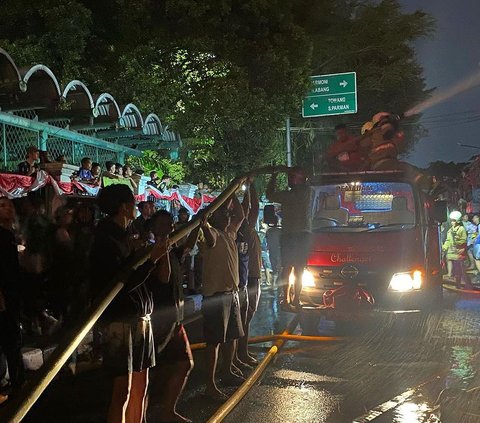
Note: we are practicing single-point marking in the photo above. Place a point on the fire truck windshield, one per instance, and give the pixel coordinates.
(360, 206)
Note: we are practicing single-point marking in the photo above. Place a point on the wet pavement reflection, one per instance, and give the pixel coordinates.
(416, 367)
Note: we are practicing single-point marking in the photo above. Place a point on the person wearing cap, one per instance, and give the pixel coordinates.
(29, 166)
(456, 248)
(296, 226)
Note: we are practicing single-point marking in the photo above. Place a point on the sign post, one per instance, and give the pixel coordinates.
(289, 142)
(334, 94)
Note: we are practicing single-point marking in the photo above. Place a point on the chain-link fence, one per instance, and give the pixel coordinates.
(15, 141)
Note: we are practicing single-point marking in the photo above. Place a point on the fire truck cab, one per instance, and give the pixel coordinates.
(375, 234)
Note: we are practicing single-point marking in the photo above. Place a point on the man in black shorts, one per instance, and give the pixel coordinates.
(220, 306)
(128, 348)
(296, 227)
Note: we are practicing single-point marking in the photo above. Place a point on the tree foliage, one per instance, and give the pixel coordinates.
(53, 32)
(153, 160)
(224, 73)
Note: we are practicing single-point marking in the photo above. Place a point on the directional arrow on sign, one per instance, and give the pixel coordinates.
(343, 83)
(313, 106)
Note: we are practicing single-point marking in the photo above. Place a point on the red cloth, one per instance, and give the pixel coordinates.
(66, 187)
(11, 181)
(15, 186)
(193, 204)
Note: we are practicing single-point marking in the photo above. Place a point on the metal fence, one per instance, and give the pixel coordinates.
(17, 133)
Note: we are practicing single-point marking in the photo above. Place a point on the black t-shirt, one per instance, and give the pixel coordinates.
(139, 226)
(111, 251)
(24, 168)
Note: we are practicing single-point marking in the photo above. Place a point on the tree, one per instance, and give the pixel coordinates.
(225, 73)
(53, 33)
(444, 169)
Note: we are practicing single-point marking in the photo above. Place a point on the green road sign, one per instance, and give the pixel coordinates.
(334, 94)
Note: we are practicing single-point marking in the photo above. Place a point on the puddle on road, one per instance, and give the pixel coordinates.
(305, 376)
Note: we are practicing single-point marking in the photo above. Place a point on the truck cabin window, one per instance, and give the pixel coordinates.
(363, 206)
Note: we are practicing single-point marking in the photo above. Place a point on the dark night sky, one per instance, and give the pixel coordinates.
(450, 55)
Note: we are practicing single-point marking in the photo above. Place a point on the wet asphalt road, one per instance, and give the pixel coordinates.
(372, 373)
(394, 369)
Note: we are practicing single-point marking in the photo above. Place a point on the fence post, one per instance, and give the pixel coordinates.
(4, 142)
(42, 140)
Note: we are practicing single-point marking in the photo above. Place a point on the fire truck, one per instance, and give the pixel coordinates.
(375, 245)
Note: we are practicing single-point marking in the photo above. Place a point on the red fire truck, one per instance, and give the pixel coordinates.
(376, 244)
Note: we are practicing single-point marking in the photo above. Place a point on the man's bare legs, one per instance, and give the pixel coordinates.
(136, 403)
(170, 380)
(298, 270)
(212, 359)
(119, 401)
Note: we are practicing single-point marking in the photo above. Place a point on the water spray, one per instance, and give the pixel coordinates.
(443, 95)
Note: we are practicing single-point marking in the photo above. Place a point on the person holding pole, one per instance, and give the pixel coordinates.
(254, 263)
(222, 322)
(296, 228)
(128, 350)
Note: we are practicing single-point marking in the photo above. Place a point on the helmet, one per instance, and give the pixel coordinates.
(296, 176)
(455, 215)
(367, 126)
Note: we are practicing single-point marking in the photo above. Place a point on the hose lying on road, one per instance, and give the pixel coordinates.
(284, 336)
(233, 401)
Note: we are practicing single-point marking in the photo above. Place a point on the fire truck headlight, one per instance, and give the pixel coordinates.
(407, 281)
(307, 279)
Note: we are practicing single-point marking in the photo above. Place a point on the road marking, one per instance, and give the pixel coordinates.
(381, 409)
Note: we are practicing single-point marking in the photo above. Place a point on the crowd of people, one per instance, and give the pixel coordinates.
(141, 329)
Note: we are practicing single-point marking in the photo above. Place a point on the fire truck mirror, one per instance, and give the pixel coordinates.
(439, 211)
(269, 216)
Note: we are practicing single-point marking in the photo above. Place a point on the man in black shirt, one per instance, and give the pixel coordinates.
(139, 225)
(29, 166)
(129, 349)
